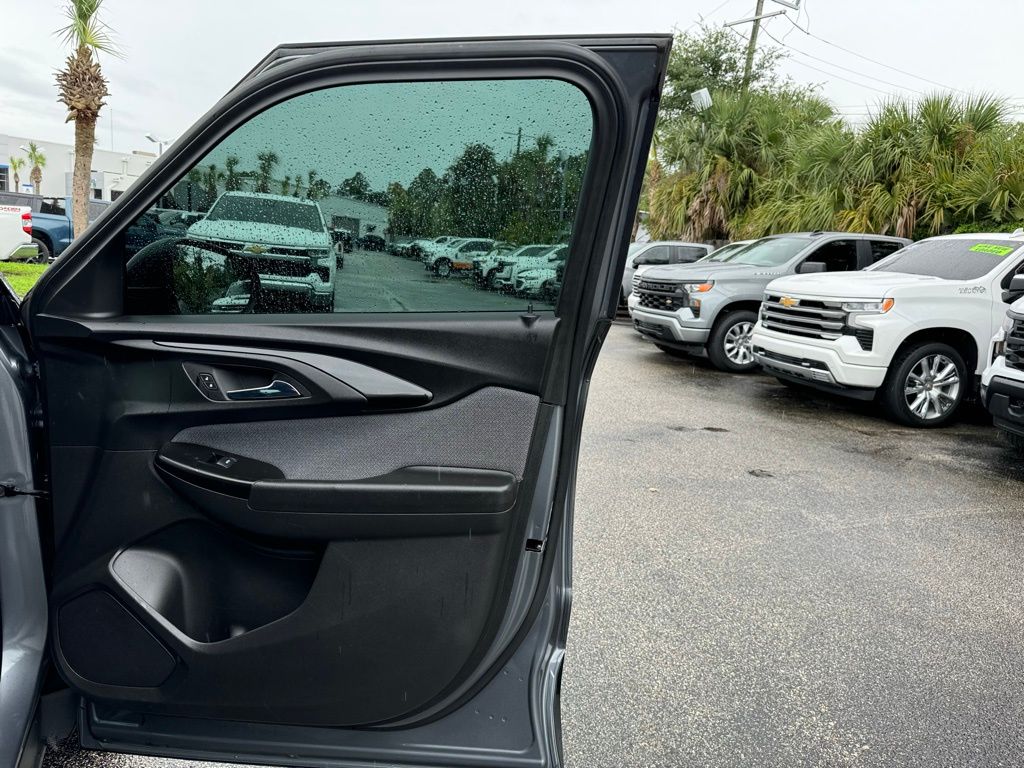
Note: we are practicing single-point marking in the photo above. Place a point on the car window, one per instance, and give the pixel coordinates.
(882, 248)
(771, 251)
(656, 254)
(457, 164)
(684, 254)
(961, 258)
(54, 205)
(836, 255)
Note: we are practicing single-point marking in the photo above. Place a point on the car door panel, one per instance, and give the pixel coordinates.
(379, 571)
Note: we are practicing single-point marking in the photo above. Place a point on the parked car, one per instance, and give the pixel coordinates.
(710, 307)
(506, 279)
(399, 246)
(456, 255)
(52, 228)
(489, 267)
(419, 248)
(912, 331)
(1002, 381)
(542, 281)
(643, 256)
(16, 242)
(287, 539)
(286, 239)
(372, 242)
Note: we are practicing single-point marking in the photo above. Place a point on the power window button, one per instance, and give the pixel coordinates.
(226, 461)
(207, 382)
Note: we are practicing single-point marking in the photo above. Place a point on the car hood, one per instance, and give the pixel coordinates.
(266, 234)
(699, 272)
(852, 285)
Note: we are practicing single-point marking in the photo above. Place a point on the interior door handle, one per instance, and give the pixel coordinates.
(275, 390)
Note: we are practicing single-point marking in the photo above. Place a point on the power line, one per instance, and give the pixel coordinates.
(840, 66)
(874, 61)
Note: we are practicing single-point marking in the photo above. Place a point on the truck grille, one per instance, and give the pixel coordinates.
(1014, 351)
(808, 318)
(666, 297)
(635, 282)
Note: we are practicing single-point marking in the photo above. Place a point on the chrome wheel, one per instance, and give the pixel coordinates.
(737, 343)
(932, 387)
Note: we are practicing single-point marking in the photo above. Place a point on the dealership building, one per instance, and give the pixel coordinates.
(112, 172)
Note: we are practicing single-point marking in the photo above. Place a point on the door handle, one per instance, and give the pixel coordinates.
(275, 390)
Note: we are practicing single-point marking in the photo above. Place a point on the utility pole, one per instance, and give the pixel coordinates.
(752, 45)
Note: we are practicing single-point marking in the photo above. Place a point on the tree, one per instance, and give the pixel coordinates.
(712, 58)
(356, 186)
(297, 189)
(37, 159)
(232, 179)
(265, 162)
(82, 89)
(470, 200)
(286, 184)
(17, 163)
(317, 188)
(211, 181)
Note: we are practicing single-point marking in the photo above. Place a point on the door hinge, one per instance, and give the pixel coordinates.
(8, 489)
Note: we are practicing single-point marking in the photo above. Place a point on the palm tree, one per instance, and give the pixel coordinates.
(17, 163)
(37, 159)
(232, 180)
(83, 89)
(265, 162)
(286, 184)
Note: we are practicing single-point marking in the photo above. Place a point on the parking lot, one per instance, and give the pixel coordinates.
(768, 579)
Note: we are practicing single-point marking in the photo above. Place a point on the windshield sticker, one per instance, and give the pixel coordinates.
(995, 250)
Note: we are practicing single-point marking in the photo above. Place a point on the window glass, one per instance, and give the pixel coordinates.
(960, 258)
(685, 254)
(882, 248)
(771, 251)
(373, 198)
(54, 205)
(656, 254)
(837, 256)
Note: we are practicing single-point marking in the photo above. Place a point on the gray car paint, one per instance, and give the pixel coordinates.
(22, 590)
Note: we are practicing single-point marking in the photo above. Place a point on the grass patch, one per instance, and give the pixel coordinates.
(21, 276)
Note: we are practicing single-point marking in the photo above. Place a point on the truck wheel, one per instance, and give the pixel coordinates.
(443, 268)
(729, 344)
(925, 385)
(324, 303)
(44, 252)
(492, 280)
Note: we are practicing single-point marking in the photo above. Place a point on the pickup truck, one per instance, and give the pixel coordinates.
(1002, 382)
(16, 234)
(912, 331)
(709, 307)
(52, 230)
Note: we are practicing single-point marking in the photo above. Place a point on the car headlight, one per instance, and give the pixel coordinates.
(874, 307)
(1007, 324)
(702, 287)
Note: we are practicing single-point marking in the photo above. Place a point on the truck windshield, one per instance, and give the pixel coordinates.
(726, 252)
(952, 259)
(770, 252)
(261, 210)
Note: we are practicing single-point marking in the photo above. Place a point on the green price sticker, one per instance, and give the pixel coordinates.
(995, 250)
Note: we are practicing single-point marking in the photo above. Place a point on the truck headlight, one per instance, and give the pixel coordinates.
(872, 307)
(1007, 324)
(699, 287)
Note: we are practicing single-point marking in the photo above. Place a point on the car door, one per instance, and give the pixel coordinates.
(290, 536)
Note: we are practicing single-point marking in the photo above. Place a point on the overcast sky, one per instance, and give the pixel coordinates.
(181, 57)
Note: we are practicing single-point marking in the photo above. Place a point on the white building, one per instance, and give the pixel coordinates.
(357, 216)
(112, 172)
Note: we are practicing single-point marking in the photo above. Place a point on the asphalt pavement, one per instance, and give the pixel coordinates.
(769, 578)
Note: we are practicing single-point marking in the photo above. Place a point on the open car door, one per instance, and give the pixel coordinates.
(313, 507)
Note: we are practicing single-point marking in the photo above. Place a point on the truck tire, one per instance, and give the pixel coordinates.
(925, 385)
(443, 268)
(44, 252)
(729, 343)
(491, 281)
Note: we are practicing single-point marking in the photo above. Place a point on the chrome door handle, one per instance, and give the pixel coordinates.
(275, 390)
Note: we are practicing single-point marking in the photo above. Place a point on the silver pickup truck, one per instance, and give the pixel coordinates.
(710, 307)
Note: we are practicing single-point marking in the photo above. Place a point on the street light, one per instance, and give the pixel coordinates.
(159, 142)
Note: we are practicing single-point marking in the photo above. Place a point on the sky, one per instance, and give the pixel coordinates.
(180, 58)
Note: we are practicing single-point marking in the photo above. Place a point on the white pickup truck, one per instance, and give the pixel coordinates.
(912, 330)
(16, 234)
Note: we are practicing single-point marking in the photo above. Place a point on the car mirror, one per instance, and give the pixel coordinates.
(1015, 291)
(810, 267)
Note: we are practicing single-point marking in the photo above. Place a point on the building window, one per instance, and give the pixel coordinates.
(116, 193)
(97, 194)
(5, 179)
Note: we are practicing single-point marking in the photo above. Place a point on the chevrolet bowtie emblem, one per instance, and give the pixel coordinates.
(788, 301)
(257, 249)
